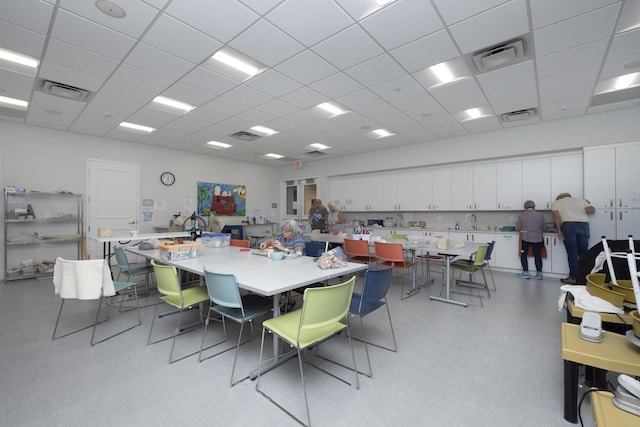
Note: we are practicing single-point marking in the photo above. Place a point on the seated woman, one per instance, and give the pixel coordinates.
(290, 240)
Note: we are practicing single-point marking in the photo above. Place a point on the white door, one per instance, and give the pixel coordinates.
(113, 199)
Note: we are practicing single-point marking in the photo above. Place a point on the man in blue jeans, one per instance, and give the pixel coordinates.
(570, 215)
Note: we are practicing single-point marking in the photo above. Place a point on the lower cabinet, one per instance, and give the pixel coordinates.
(557, 261)
(506, 251)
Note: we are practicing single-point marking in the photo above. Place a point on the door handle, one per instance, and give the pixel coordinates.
(131, 222)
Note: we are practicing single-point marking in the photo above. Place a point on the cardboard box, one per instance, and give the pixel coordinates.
(175, 251)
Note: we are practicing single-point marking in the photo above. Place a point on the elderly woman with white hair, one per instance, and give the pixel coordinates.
(335, 220)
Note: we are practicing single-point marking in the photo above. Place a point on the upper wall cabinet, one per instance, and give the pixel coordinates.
(432, 189)
(342, 192)
(368, 193)
(398, 191)
(509, 185)
(536, 181)
(566, 175)
(473, 187)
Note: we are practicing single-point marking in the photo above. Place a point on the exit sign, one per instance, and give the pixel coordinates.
(297, 164)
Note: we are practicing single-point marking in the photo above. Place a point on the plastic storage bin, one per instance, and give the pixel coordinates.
(216, 240)
(177, 251)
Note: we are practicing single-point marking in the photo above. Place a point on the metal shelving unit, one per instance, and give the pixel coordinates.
(38, 227)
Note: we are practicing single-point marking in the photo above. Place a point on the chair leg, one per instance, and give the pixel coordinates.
(492, 280)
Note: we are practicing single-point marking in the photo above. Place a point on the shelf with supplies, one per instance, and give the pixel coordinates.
(38, 228)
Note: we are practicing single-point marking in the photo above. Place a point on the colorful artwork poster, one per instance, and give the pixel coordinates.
(221, 199)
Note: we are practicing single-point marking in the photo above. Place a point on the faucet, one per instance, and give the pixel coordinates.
(400, 220)
(474, 222)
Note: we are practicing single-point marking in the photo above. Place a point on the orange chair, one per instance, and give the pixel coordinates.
(392, 255)
(358, 251)
(240, 243)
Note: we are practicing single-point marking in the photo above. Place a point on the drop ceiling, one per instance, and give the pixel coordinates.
(369, 59)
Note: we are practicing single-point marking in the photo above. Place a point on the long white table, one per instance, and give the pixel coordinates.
(124, 239)
(257, 274)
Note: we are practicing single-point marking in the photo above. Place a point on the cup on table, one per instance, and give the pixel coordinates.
(133, 233)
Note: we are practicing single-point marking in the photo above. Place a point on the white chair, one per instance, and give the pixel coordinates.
(89, 280)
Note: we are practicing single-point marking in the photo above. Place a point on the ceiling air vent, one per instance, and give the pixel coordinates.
(515, 116)
(245, 136)
(315, 153)
(499, 56)
(64, 91)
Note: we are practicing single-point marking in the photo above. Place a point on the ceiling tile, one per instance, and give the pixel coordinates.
(267, 44)
(336, 86)
(425, 52)
(577, 57)
(348, 48)
(376, 70)
(548, 12)
(402, 22)
(306, 67)
(309, 22)
(452, 12)
(33, 15)
(273, 83)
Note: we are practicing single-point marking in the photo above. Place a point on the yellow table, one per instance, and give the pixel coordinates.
(575, 313)
(605, 413)
(615, 353)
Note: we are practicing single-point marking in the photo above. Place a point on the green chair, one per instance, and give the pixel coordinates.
(172, 293)
(477, 264)
(226, 302)
(323, 315)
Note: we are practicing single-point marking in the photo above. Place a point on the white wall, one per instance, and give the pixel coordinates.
(560, 135)
(47, 159)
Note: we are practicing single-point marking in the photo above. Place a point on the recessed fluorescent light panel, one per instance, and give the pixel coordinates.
(443, 73)
(273, 156)
(16, 104)
(331, 108)
(234, 61)
(168, 102)
(135, 127)
(218, 145)
(264, 130)
(319, 146)
(618, 83)
(472, 114)
(381, 133)
(18, 58)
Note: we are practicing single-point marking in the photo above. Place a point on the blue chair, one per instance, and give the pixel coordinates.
(226, 301)
(373, 296)
(123, 265)
(314, 249)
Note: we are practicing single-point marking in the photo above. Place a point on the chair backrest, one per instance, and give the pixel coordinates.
(82, 279)
(487, 256)
(376, 284)
(121, 257)
(354, 247)
(397, 236)
(314, 249)
(479, 258)
(239, 243)
(391, 252)
(223, 289)
(166, 279)
(325, 306)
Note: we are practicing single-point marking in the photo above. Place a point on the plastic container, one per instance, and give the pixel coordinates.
(216, 240)
(176, 251)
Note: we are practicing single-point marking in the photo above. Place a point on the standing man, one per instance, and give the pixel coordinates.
(570, 215)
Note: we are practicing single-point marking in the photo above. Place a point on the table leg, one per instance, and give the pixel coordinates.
(571, 391)
(448, 286)
(414, 288)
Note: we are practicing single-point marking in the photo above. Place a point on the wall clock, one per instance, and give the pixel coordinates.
(167, 178)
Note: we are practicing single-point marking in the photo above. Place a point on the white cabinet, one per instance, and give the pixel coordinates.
(566, 175)
(556, 261)
(509, 185)
(397, 191)
(342, 192)
(536, 181)
(423, 190)
(442, 189)
(368, 193)
(473, 187)
(38, 228)
(506, 251)
(611, 184)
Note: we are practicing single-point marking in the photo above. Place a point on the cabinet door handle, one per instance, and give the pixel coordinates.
(611, 215)
(620, 216)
